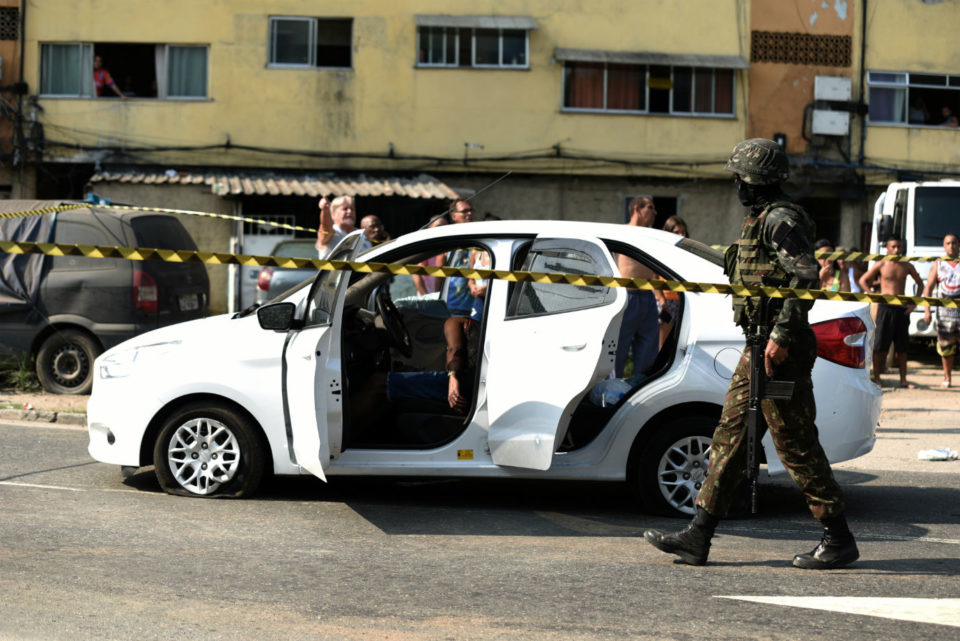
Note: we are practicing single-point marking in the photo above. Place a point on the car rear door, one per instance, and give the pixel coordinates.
(555, 342)
(312, 375)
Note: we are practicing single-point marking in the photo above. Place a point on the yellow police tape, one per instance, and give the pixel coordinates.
(215, 258)
(834, 255)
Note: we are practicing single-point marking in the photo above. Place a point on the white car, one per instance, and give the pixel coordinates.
(289, 388)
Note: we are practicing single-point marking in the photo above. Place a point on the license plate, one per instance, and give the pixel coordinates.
(188, 303)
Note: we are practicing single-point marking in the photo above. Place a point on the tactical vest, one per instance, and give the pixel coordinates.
(750, 263)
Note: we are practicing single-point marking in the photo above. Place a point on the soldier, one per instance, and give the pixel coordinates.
(774, 249)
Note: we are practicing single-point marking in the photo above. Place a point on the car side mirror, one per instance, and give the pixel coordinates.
(278, 316)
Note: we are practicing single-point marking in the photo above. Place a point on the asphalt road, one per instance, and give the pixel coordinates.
(85, 555)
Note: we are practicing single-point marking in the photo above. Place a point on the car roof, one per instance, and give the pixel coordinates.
(661, 246)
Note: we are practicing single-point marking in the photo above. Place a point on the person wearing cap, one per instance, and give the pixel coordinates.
(774, 249)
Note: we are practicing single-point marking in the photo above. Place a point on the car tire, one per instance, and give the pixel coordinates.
(209, 450)
(65, 362)
(673, 464)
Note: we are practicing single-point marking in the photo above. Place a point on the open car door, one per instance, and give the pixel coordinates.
(312, 379)
(554, 344)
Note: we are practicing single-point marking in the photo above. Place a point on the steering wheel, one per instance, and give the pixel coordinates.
(393, 321)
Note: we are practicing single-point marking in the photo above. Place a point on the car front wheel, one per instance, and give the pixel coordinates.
(673, 465)
(210, 451)
(65, 362)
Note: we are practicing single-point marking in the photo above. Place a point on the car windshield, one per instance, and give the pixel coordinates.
(706, 252)
(936, 210)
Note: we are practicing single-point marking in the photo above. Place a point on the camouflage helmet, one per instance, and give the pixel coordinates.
(759, 161)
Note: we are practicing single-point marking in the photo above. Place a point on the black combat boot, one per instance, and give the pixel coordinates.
(691, 544)
(837, 547)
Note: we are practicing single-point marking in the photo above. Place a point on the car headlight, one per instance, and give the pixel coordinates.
(122, 363)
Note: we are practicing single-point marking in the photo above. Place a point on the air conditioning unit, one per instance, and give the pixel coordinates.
(832, 88)
(826, 121)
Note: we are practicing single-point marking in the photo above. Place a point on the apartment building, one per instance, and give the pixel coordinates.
(569, 108)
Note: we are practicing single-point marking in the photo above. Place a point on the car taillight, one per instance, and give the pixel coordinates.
(263, 279)
(145, 294)
(842, 341)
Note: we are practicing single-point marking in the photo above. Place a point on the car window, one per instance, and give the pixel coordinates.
(80, 233)
(296, 249)
(161, 232)
(532, 299)
(324, 298)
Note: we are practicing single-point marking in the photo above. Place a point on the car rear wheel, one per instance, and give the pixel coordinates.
(210, 451)
(65, 362)
(673, 465)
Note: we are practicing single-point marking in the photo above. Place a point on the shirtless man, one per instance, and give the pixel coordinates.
(893, 321)
(639, 328)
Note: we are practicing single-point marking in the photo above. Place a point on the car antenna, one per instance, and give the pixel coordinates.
(475, 194)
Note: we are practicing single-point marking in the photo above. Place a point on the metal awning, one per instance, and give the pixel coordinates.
(651, 58)
(252, 183)
(478, 22)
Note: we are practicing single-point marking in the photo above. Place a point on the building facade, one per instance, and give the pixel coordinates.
(568, 108)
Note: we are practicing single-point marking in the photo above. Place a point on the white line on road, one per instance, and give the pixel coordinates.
(43, 487)
(936, 611)
(78, 489)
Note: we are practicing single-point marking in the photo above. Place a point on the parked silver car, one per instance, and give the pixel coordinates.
(273, 281)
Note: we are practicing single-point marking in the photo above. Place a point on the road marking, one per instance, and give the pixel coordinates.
(936, 611)
(42, 487)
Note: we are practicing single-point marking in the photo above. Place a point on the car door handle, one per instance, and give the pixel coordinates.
(574, 348)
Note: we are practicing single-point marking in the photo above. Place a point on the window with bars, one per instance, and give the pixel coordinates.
(9, 23)
(469, 47)
(648, 89)
(310, 42)
(913, 99)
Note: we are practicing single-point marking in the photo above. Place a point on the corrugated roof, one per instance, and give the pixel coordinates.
(651, 58)
(272, 184)
(477, 22)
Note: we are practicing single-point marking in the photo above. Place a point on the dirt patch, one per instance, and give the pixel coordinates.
(43, 401)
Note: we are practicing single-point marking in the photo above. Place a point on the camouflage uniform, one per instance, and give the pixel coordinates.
(774, 249)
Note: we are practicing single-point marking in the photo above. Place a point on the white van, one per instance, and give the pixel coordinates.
(921, 213)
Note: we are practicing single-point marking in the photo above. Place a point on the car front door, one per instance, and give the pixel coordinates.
(312, 377)
(555, 342)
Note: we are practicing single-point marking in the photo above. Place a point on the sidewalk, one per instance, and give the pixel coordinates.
(43, 407)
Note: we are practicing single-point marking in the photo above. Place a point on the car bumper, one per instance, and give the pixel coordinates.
(116, 429)
(847, 415)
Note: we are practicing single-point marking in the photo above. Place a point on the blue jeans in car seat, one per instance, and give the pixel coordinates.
(640, 330)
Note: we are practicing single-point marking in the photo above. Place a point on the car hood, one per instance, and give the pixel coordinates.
(186, 333)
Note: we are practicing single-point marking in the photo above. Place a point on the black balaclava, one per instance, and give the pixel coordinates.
(757, 197)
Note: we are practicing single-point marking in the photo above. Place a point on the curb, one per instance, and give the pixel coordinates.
(44, 416)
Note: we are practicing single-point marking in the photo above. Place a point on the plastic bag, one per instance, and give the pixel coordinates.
(941, 454)
(609, 391)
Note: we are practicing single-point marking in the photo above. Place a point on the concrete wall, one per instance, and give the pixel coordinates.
(779, 91)
(210, 234)
(710, 208)
(915, 37)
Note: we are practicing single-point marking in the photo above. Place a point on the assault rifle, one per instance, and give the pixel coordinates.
(760, 388)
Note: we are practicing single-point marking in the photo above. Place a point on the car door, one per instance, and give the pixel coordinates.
(312, 376)
(555, 342)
